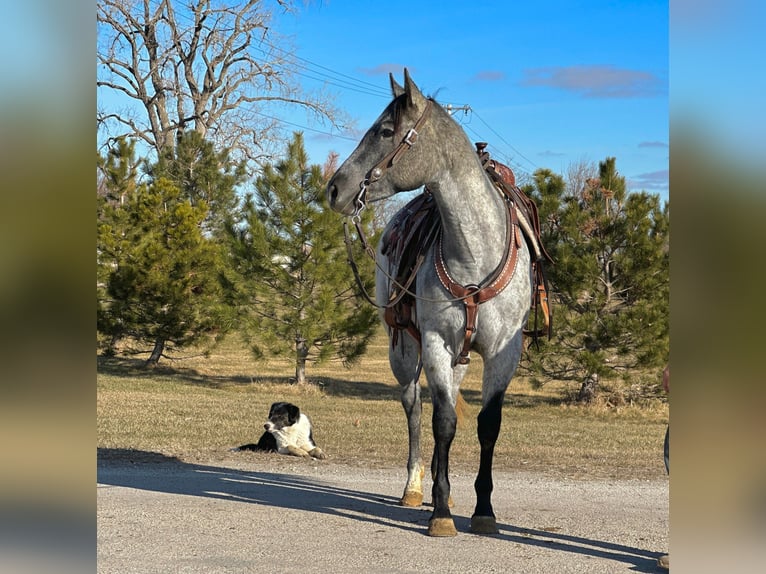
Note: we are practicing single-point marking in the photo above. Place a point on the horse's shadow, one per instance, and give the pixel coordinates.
(639, 559)
(308, 494)
(257, 487)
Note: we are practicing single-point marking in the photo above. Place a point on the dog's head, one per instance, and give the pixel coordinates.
(282, 415)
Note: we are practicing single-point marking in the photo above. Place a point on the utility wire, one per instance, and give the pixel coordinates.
(490, 128)
(305, 68)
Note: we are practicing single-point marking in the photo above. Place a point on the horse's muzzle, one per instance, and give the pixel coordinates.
(339, 202)
(332, 193)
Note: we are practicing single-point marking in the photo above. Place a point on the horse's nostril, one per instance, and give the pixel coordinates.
(333, 194)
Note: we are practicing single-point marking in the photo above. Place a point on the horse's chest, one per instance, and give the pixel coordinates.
(410, 237)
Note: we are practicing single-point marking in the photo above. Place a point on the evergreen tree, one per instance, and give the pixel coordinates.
(291, 276)
(203, 175)
(610, 280)
(158, 273)
(118, 173)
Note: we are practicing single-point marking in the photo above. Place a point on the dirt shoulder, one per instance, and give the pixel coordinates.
(271, 513)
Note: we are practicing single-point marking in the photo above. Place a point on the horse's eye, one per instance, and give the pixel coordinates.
(387, 133)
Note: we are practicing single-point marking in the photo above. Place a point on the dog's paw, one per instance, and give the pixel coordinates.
(317, 453)
(296, 451)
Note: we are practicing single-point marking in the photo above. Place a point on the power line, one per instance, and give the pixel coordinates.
(533, 164)
(333, 78)
(497, 151)
(317, 72)
(302, 127)
(358, 86)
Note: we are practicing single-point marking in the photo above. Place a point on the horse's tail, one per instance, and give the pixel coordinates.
(461, 408)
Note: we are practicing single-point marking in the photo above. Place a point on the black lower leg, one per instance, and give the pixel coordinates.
(444, 423)
(488, 430)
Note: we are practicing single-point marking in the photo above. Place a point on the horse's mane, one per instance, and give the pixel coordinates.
(398, 104)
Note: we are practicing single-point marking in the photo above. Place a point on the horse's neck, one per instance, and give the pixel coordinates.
(473, 219)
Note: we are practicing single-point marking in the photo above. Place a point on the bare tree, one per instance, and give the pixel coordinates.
(213, 66)
(578, 174)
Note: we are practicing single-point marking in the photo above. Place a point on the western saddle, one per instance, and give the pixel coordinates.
(418, 225)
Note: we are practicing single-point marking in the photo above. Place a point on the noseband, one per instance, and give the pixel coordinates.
(377, 171)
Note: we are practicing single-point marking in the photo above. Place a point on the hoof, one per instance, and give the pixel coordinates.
(441, 527)
(483, 525)
(412, 498)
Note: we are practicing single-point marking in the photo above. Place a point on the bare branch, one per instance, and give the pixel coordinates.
(198, 62)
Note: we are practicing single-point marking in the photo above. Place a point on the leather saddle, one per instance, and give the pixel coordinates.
(416, 227)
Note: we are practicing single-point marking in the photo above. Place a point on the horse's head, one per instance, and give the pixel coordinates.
(387, 159)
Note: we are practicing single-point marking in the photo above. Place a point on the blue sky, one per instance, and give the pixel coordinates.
(549, 83)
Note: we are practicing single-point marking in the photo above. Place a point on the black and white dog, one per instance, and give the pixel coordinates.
(288, 431)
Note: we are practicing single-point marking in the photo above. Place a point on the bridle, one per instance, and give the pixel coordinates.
(374, 174)
(379, 169)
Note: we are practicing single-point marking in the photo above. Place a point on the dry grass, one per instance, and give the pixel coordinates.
(198, 408)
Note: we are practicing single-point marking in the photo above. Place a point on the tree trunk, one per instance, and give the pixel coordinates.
(589, 389)
(111, 349)
(154, 358)
(301, 352)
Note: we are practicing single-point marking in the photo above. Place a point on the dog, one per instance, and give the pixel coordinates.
(288, 431)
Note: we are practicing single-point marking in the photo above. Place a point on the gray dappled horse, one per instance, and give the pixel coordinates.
(416, 143)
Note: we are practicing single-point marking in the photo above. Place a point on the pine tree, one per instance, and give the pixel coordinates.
(203, 175)
(291, 277)
(158, 272)
(610, 280)
(118, 174)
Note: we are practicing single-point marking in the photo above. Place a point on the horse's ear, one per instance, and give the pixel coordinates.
(396, 89)
(414, 96)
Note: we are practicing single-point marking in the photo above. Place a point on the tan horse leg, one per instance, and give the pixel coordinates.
(413, 491)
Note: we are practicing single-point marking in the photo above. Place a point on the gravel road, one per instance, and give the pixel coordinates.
(259, 513)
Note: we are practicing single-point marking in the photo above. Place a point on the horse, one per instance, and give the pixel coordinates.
(415, 143)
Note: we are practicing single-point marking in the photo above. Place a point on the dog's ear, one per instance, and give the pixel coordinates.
(276, 407)
(293, 413)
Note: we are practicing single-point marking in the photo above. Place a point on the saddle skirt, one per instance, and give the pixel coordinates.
(406, 242)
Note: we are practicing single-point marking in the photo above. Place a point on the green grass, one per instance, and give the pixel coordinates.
(196, 408)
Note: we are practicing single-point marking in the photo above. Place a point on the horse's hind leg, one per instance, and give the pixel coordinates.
(405, 364)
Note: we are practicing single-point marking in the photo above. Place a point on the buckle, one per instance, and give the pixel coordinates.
(411, 137)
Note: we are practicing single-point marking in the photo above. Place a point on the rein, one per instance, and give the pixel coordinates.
(471, 295)
(374, 174)
(404, 289)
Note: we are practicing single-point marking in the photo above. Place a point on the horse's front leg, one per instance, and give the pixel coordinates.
(413, 490)
(405, 364)
(500, 363)
(444, 424)
(488, 428)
